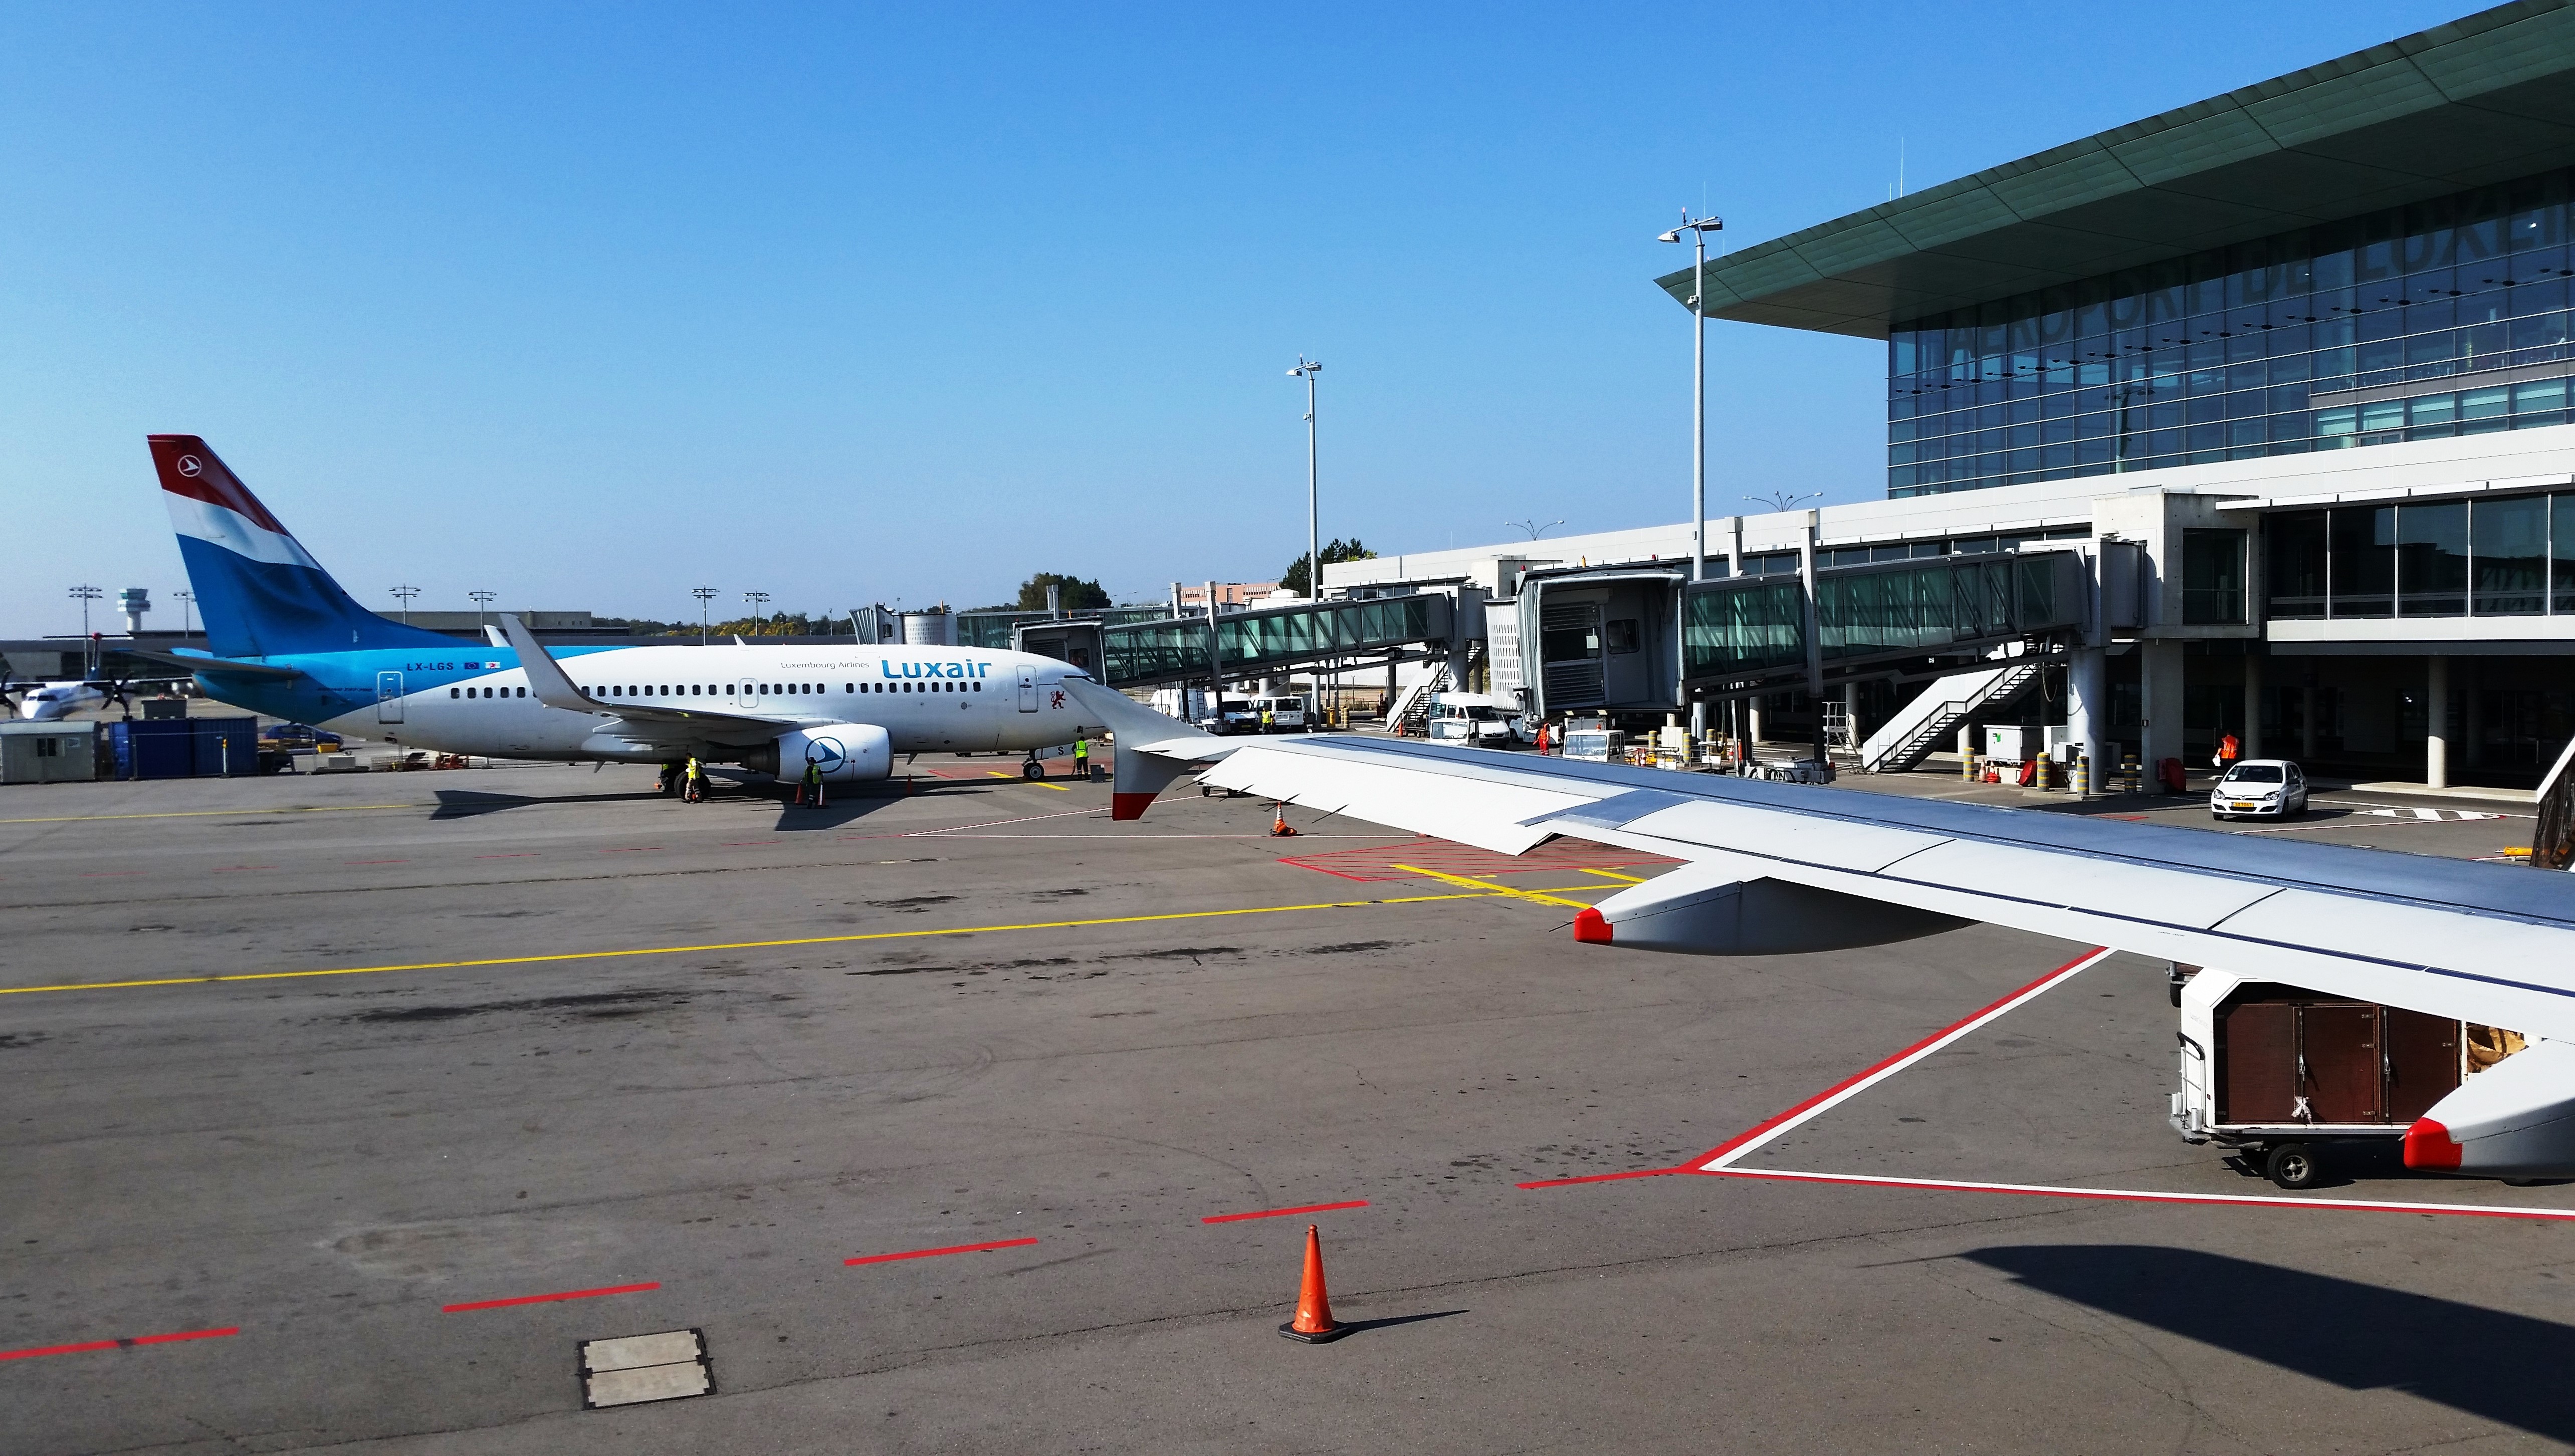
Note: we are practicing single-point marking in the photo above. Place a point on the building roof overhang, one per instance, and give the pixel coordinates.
(2483, 99)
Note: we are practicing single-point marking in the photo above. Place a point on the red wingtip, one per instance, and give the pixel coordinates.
(1591, 928)
(1129, 806)
(2428, 1146)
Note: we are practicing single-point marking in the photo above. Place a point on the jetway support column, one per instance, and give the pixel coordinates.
(2436, 722)
(2253, 708)
(2087, 708)
(2159, 677)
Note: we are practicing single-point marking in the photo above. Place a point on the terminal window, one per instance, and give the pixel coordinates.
(2390, 326)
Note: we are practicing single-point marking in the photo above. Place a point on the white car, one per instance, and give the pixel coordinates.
(2259, 788)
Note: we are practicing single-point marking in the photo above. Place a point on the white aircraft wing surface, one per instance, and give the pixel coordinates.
(1782, 866)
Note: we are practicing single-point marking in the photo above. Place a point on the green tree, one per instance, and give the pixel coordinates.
(1076, 594)
(1298, 576)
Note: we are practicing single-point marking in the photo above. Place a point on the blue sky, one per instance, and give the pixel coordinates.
(590, 305)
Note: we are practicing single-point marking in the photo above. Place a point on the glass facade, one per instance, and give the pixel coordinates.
(2512, 556)
(2380, 328)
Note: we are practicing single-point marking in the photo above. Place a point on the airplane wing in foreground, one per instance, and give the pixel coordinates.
(1779, 867)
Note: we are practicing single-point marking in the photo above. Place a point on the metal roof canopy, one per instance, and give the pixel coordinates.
(2483, 99)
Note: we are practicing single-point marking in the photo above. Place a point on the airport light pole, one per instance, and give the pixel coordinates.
(404, 595)
(757, 600)
(1532, 527)
(482, 610)
(187, 600)
(704, 596)
(1698, 229)
(85, 596)
(1305, 370)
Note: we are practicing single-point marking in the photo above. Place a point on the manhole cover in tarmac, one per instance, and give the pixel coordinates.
(638, 1368)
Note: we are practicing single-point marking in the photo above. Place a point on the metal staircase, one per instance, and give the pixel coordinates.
(1409, 717)
(1908, 737)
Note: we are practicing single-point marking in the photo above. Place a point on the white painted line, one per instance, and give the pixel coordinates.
(1805, 1112)
(2144, 1195)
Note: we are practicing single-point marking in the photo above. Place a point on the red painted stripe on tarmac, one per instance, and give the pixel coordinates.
(2138, 1196)
(547, 1298)
(1002, 1243)
(119, 1344)
(1601, 1177)
(1283, 1212)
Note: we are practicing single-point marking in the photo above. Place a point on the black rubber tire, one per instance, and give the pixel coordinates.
(2293, 1166)
(1032, 770)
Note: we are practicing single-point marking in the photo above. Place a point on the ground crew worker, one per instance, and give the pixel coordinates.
(1541, 738)
(2228, 749)
(1081, 757)
(812, 783)
(1265, 720)
(693, 787)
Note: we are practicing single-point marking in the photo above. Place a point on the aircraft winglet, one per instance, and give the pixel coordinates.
(1152, 750)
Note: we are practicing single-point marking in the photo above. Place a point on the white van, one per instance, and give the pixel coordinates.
(1472, 717)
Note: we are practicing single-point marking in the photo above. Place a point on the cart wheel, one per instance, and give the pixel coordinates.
(2293, 1165)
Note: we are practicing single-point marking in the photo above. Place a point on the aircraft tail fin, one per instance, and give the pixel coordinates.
(260, 592)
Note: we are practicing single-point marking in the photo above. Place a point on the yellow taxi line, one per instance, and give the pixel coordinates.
(175, 980)
(1487, 884)
(198, 814)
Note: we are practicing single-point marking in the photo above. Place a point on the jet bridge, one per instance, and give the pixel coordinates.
(1262, 642)
(1607, 637)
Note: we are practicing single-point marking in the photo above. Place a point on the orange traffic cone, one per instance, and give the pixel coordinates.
(1314, 1324)
(1279, 827)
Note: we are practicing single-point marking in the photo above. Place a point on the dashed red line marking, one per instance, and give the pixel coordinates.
(547, 1298)
(239, 869)
(119, 1344)
(1002, 1243)
(1283, 1212)
(746, 843)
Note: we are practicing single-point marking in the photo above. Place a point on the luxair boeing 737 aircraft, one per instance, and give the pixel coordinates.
(288, 640)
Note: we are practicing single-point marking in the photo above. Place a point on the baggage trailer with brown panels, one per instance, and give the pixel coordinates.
(2286, 1076)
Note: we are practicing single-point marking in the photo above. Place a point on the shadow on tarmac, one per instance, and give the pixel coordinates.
(1361, 1326)
(843, 805)
(2503, 1367)
(455, 804)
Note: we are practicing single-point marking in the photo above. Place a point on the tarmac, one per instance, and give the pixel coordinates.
(957, 1118)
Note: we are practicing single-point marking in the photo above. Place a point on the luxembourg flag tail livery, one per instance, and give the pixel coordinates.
(261, 594)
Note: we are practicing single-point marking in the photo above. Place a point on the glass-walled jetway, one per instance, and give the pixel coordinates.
(1606, 639)
(1257, 643)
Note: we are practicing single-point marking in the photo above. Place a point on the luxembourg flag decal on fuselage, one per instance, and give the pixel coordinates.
(262, 593)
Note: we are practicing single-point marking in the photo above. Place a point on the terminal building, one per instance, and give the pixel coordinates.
(2281, 377)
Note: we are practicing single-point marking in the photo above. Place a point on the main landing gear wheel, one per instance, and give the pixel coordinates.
(2294, 1166)
(1033, 769)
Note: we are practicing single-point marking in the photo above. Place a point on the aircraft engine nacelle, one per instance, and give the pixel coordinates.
(850, 752)
(2515, 1119)
(1711, 910)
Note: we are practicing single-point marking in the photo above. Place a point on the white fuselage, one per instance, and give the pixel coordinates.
(927, 699)
(55, 700)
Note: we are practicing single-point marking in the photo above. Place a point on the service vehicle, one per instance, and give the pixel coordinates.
(2288, 1079)
(2259, 788)
(1472, 717)
(288, 736)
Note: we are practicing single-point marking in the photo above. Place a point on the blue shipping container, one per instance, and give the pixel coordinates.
(226, 746)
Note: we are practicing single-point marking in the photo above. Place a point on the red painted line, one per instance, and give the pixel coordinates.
(2135, 1195)
(1283, 1213)
(1601, 1177)
(88, 1345)
(746, 843)
(1003, 1243)
(523, 854)
(1336, 874)
(547, 1298)
(1874, 1068)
